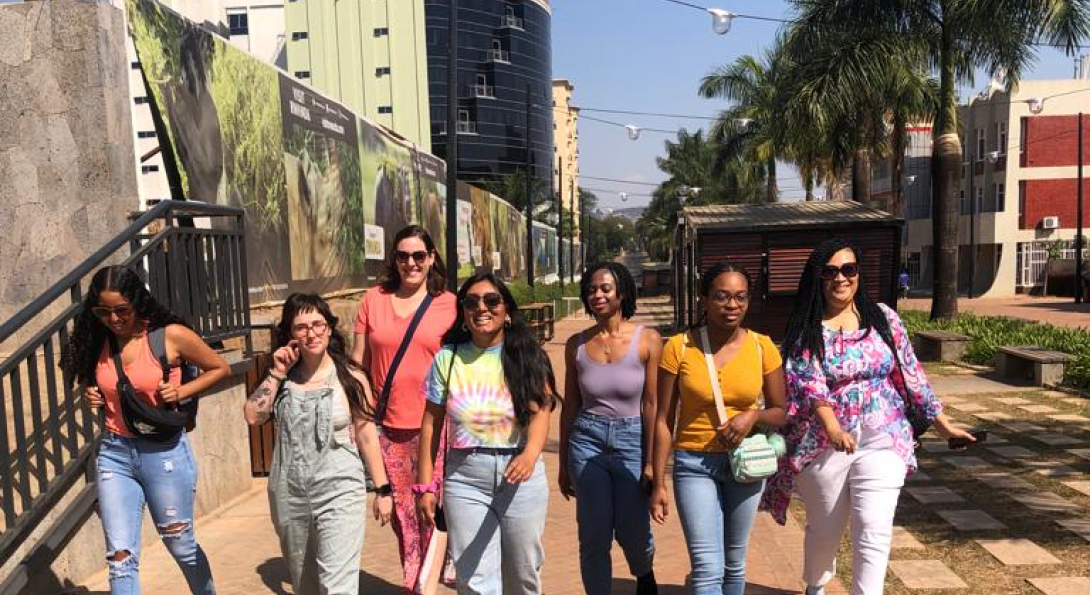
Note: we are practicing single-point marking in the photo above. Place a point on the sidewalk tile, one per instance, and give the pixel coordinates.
(966, 462)
(1080, 527)
(1013, 452)
(1021, 427)
(918, 476)
(1069, 418)
(1004, 481)
(1082, 453)
(1062, 585)
(994, 416)
(1038, 409)
(1055, 439)
(1017, 552)
(1078, 486)
(1076, 401)
(904, 540)
(1045, 502)
(934, 495)
(971, 520)
(1012, 401)
(926, 574)
(969, 407)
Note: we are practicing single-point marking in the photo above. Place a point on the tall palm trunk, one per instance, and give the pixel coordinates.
(808, 183)
(946, 168)
(861, 176)
(772, 191)
(898, 164)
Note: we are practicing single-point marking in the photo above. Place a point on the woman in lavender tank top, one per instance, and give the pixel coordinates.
(606, 430)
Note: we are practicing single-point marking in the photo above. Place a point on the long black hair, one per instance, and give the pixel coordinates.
(626, 287)
(526, 368)
(89, 334)
(303, 303)
(804, 330)
(437, 274)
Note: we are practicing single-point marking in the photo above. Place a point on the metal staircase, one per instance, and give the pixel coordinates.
(193, 256)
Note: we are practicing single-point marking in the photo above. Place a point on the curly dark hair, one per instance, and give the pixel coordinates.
(526, 368)
(804, 326)
(303, 303)
(437, 274)
(626, 287)
(89, 334)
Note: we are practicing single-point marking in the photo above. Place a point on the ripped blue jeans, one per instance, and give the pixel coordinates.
(132, 472)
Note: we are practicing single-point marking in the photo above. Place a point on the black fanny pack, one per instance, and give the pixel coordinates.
(158, 424)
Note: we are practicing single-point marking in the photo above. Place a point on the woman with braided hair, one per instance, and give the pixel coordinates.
(134, 470)
(855, 392)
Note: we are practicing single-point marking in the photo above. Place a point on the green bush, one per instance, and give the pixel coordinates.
(545, 292)
(990, 332)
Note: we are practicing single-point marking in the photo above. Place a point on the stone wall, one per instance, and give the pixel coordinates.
(67, 170)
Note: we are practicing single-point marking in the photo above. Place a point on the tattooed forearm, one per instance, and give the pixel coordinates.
(259, 403)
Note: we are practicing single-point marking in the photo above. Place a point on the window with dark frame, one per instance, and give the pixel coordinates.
(147, 169)
(298, 35)
(302, 74)
(381, 31)
(385, 109)
(382, 70)
(146, 134)
(238, 23)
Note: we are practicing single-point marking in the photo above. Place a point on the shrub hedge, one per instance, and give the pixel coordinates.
(546, 292)
(990, 332)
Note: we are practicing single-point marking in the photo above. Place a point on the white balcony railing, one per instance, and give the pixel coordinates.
(501, 56)
(467, 128)
(486, 91)
(512, 21)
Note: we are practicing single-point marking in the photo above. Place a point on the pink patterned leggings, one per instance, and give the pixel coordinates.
(400, 449)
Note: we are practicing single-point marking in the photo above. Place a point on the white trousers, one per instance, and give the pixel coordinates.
(863, 487)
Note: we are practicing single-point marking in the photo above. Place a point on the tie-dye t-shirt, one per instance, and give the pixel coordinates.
(479, 406)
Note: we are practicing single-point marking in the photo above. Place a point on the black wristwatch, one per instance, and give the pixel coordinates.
(384, 490)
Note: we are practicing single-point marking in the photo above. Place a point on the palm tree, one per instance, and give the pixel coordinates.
(748, 130)
(953, 37)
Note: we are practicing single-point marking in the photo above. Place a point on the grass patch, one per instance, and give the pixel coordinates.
(991, 332)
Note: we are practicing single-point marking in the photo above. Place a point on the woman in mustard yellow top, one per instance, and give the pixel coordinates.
(716, 512)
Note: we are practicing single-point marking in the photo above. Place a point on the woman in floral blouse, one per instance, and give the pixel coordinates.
(853, 385)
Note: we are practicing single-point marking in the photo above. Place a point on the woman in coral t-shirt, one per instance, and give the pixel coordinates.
(413, 272)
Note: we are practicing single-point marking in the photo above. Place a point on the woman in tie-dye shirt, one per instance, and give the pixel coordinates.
(495, 385)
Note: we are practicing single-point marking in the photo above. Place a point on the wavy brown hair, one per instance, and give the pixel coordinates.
(437, 275)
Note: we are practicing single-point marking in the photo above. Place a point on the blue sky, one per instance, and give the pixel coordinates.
(649, 55)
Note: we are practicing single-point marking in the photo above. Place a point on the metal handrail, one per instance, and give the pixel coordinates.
(195, 272)
(99, 256)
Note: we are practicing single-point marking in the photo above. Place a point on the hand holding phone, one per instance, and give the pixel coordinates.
(957, 443)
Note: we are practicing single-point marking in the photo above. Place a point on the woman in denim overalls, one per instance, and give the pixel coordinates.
(317, 488)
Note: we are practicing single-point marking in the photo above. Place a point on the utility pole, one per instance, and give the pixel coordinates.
(1078, 226)
(529, 197)
(972, 216)
(452, 147)
(560, 221)
(572, 197)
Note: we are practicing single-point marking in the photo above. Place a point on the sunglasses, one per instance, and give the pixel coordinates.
(491, 301)
(403, 257)
(850, 270)
(104, 312)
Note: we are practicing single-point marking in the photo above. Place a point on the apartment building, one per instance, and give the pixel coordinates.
(566, 144)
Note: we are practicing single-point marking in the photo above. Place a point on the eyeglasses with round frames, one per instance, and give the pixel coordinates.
(318, 327)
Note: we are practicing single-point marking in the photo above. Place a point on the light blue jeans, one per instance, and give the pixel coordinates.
(494, 527)
(605, 458)
(132, 472)
(717, 514)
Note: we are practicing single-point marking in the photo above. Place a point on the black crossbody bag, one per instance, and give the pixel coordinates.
(157, 424)
(387, 386)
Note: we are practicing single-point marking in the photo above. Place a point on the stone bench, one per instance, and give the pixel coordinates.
(940, 346)
(1038, 364)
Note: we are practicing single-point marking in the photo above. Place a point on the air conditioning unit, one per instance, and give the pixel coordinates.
(1050, 223)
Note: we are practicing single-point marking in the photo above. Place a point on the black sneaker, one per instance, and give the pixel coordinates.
(646, 585)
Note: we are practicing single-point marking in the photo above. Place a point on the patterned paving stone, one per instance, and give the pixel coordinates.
(926, 574)
(903, 540)
(994, 416)
(1044, 502)
(1076, 401)
(934, 495)
(1012, 401)
(1080, 527)
(952, 400)
(1054, 394)
(1038, 409)
(1082, 453)
(969, 407)
(1021, 426)
(918, 476)
(1052, 469)
(1013, 452)
(966, 462)
(1005, 481)
(1017, 552)
(1078, 486)
(934, 445)
(1055, 439)
(1062, 585)
(1070, 418)
(971, 520)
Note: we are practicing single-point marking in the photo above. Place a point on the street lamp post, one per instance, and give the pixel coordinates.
(452, 147)
(529, 196)
(560, 220)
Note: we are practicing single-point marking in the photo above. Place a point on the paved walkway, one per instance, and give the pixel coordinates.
(1058, 311)
(245, 555)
